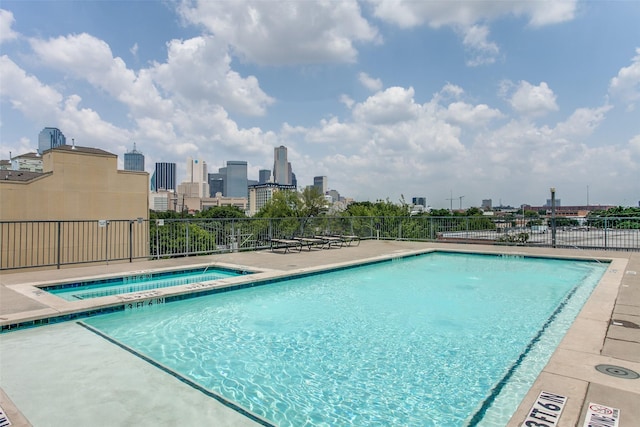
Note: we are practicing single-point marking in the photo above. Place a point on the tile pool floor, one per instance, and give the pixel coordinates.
(63, 375)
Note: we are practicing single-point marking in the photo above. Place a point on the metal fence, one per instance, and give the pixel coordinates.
(26, 244)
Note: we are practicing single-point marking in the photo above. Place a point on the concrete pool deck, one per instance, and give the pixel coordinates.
(62, 374)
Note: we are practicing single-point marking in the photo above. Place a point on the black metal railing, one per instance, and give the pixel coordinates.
(26, 244)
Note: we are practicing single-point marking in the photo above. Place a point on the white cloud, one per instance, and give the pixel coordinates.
(347, 101)
(470, 115)
(6, 22)
(370, 83)
(43, 104)
(583, 122)
(203, 59)
(543, 13)
(134, 50)
(26, 93)
(334, 131)
(87, 128)
(481, 50)
(291, 32)
(89, 58)
(211, 80)
(626, 85)
(470, 18)
(530, 100)
(408, 13)
(634, 143)
(451, 90)
(390, 106)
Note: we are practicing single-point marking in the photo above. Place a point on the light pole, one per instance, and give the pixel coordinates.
(553, 217)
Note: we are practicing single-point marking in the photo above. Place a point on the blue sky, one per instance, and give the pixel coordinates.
(482, 99)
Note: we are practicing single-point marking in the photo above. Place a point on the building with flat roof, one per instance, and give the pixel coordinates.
(78, 184)
(264, 175)
(134, 160)
(164, 177)
(421, 201)
(49, 138)
(31, 162)
(321, 183)
(195, 186)
(235, 184)
(260, 194)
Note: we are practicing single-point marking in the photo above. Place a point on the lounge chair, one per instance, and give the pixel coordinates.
(331, 241)
(348, 239)
(310, 242)
(285, 244)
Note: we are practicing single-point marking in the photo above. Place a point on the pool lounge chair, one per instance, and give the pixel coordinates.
(311, 242)
(330, 241)
(348, 239)
(285, 244)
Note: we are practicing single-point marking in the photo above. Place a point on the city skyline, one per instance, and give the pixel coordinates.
(498, 100)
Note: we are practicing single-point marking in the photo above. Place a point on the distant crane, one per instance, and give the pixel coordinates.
(451, 199)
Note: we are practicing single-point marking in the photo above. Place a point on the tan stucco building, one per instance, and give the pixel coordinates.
(76, 183)
(62, 211)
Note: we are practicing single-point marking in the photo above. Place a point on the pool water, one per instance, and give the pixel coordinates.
(142, 281)
(420, 341)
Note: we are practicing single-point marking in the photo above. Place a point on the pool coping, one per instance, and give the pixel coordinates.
(570, 370)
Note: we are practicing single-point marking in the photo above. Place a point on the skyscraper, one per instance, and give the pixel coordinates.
(264, 175)
(422, 201)
(320, 182)
(165, 176)
(50, 138)
(281, 167)
(235, 183)
(196, 182)
(216, 183)
(134, 160)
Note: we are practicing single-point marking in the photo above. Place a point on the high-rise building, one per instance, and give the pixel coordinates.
(260, 194)
(320, 182)
(235, 184)
(50, 138)
(164, 177)
(487, 204)
(422, 201)
(333, 195)
(281, 167)
(216, 184)
(196, 183)
(264, 175)
(134, 160)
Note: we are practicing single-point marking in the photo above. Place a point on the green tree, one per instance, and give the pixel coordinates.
(473, 212)
(221, 212)
(283, 204)
(312, 202)
(440, 212)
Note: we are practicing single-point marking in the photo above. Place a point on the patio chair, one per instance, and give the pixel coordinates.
(330, 241)
(348, 239)
(285, 244)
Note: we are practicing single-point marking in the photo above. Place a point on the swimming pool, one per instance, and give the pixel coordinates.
(138, 281)
(430, 340)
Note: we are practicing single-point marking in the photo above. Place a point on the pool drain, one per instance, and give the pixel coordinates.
(618, 371)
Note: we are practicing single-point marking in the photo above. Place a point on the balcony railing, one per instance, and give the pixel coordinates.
(27, 244)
